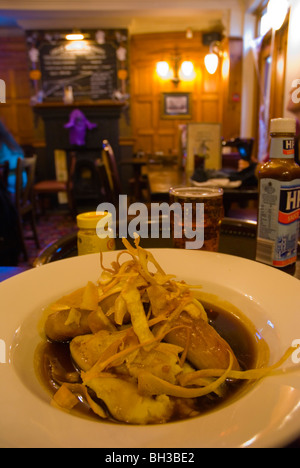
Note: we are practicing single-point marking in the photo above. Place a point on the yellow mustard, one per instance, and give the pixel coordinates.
(95, 233)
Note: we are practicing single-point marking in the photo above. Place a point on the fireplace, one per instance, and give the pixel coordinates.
(106, 115)
(90, 181)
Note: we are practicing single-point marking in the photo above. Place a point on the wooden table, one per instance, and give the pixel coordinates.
(164, 172)
(162, 178)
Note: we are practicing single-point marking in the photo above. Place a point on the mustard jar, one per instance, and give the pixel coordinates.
(95, 233)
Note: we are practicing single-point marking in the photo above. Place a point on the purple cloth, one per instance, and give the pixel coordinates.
(78, 125)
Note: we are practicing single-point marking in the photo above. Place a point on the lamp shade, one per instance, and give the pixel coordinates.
(162, 69)
(211, 63)
(276, 11)
(187, 69)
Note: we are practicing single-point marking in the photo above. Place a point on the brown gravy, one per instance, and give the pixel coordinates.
(241, 340)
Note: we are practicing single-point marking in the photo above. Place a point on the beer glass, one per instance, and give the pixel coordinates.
(191, 199)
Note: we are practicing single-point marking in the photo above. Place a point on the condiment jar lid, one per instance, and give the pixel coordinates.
(90, 220)
(284, 125)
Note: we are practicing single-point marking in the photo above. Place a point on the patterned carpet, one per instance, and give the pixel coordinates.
(50, 227)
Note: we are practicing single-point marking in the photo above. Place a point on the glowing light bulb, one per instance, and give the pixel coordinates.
(211, 63)
(187, 69)
(75, 37)
(162, 69)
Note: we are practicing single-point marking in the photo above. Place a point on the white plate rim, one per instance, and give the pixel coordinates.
(32, 422)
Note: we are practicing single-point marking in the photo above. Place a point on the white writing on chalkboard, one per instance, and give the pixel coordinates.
(91, 74)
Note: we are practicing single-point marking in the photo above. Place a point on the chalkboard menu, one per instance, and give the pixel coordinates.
(95, 68)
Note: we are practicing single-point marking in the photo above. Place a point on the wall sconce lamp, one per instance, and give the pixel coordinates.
(211, 60)
(181, 70)
(163, 70)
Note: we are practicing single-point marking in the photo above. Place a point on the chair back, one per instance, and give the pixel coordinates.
(110, 163)
(71, 164)
(4, 171)
(24, 191)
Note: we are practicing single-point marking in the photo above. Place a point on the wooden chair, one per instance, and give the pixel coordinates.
(110, 164)
(139, 184)
(48, 187)
(4, 171)
(24, 199)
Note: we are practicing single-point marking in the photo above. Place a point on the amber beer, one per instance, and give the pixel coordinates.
(188, 198)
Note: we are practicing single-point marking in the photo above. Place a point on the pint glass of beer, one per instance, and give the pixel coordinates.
(201, 209)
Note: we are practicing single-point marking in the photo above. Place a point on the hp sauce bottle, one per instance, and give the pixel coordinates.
(279, 200)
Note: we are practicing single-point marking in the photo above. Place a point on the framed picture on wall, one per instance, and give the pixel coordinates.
(204, 142)
(176, 106)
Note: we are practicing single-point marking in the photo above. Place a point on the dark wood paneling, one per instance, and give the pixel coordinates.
(16, 113)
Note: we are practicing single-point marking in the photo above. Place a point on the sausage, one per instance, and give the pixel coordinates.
(207, 349)
(56, 328)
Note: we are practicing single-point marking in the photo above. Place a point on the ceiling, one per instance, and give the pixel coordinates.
(138, 16)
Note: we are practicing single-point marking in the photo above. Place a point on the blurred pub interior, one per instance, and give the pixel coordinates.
(119, 89)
